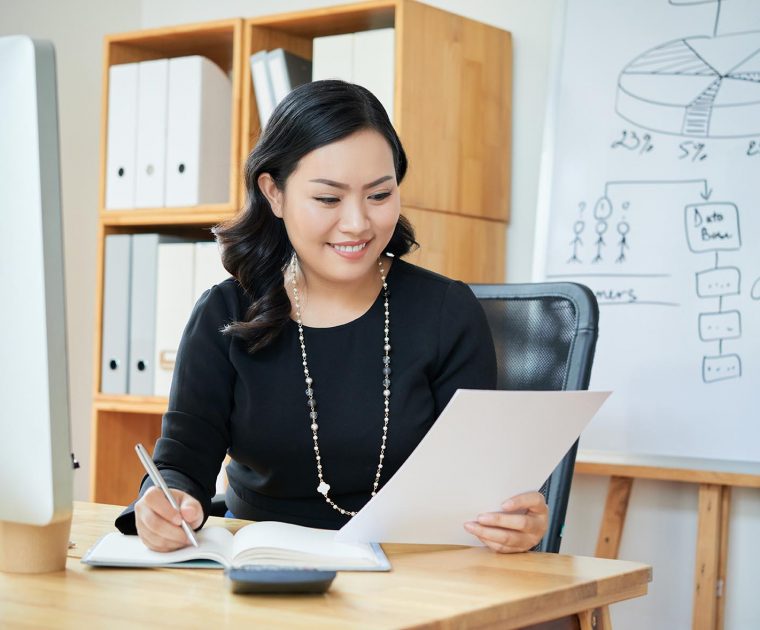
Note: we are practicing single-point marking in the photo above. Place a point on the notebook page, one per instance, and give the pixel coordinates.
(115, 549)
(306, 541)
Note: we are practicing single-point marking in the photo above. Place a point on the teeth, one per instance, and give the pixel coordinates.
(350, 248)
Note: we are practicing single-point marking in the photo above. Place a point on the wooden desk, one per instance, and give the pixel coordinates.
(429, 587)
(715, 479)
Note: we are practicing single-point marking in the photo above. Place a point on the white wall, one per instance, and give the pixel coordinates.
(661, 527)
(76, 28)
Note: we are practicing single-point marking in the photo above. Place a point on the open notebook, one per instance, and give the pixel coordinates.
(267, 543)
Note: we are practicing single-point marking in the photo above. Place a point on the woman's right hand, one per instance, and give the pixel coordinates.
(159, 524)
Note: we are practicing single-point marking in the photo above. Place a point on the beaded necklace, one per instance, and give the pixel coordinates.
(324, 488)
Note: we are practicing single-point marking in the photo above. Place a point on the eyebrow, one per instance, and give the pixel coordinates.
(334, 184)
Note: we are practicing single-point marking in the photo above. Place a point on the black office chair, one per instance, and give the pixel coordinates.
(545, 336)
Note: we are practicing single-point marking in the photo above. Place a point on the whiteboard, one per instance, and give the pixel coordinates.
(651, 197)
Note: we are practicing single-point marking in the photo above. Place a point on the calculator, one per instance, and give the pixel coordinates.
(267, 579)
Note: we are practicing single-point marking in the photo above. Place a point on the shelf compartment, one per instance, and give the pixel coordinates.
(119, 471)
(220, 41)
(452, 97)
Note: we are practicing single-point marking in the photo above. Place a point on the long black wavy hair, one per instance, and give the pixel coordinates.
(255, 246)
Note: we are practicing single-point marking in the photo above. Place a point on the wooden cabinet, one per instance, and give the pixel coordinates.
(452, 107)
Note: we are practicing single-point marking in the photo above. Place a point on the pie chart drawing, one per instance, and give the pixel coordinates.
(704, 87)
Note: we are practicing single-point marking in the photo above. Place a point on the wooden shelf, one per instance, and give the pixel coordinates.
(337, 20)
(130, 404)
(216, 39)
(119, 422)
(198, 215)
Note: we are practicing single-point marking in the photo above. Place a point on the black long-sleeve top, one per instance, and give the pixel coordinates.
(253, 406)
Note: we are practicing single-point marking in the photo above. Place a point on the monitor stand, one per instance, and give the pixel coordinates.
(34, 548)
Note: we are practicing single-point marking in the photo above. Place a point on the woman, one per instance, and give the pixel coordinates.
(326, 358)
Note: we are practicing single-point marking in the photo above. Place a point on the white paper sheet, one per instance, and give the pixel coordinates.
(485, 447)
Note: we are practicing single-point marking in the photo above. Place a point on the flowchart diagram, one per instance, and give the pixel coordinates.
(711, 227)
(714, 228)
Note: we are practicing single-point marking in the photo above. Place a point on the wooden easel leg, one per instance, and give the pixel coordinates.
(596, 619)
(584, 620)
(615, 508)
(604, 618)
(723, 559)
(709, 539)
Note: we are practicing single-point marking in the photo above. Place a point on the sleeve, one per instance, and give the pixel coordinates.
(466, 355)
(195, 428)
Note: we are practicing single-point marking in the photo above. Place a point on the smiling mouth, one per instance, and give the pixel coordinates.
(349, 248)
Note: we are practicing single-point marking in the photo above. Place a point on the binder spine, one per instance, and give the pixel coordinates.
(122, 136)
(114, 371)
(142, 314)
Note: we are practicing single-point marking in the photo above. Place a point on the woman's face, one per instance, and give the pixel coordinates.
(340, 206)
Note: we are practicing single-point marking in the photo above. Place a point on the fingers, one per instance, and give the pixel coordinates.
(526, 512)
(531, 501)
(159, 535)
(191, 510)
(158, 523)
(533, 526)
(519, 522)
(519, 528)
(158, 503)
(501, 540)
(528, 529)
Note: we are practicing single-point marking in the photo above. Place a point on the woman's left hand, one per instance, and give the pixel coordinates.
(518, 527)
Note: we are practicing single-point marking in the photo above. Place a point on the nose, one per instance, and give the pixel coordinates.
(354, 218)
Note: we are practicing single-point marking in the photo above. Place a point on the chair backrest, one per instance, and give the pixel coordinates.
(545, 336)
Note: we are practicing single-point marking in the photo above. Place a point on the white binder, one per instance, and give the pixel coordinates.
(208, 268)
(174, 303)
(374, 64)
(184, 272)
(114, 366)
(122, 136)
(142, 312)
(198, 133)
(286, 71)
(152, 92)
(332, 57)
(262, 86)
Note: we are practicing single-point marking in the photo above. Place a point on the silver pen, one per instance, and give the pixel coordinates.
(158, 480)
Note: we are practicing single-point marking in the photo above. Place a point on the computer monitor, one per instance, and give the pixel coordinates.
(36, 477)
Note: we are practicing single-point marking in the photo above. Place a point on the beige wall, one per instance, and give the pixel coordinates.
(76, 28)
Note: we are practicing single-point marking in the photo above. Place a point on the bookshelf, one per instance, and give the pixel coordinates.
(452, 107)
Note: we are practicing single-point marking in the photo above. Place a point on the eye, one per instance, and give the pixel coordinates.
(380, 196)
(327, 200)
